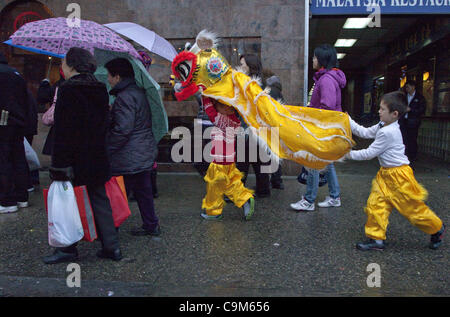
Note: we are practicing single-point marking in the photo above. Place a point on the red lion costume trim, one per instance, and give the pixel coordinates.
(189, 87)
(187, 92)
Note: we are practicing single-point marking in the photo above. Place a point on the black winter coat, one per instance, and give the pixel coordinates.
(131, 146)
(14, 98)
(81, 122)
(46, 92)
(414, 118)
(31, 127)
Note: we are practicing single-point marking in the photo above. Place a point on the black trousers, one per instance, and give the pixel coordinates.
(154, 174)
(104, 222)
(275, 178)
(14, 174)
(262, 179)
(410, 141)
(141, 186)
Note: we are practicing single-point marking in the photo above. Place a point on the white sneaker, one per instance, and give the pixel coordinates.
(303, 205)
(7, 210)
(330, 202)
(22, 204)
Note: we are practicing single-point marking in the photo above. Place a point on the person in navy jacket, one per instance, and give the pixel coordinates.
(411, 120)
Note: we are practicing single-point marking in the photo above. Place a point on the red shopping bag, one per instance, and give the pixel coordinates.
(45, 192)
(86, 213)
(120, 209)
(85, 209)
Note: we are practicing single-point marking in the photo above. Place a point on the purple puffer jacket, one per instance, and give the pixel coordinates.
(327, 89)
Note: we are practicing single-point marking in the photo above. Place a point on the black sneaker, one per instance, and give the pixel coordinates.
(436, 239)
(262, 195)
(115, 255)
(144, 232)
(370, 245)
(59, 257)
(278, 185)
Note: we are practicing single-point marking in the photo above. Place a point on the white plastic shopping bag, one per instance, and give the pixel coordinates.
(64, 223)
(32, 158)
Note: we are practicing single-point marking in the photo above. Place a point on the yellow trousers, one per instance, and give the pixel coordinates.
(220, 180)
(396, 187)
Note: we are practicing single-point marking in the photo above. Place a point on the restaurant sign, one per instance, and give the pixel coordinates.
(365, 7)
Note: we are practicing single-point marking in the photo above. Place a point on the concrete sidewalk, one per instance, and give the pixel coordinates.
(278, 253)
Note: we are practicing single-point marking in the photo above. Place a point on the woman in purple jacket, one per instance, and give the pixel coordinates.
(328, 82)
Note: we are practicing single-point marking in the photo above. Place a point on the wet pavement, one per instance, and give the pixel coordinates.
(279, 252)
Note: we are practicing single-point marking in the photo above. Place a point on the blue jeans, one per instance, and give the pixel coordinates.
(312, 183)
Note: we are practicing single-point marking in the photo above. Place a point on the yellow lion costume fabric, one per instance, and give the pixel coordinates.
(311, 137)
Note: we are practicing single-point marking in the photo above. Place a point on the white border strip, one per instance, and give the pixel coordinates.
(305, 61)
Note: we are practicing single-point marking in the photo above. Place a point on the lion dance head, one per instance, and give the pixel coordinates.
(199, 66)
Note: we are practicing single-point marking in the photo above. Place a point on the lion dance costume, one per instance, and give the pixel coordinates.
(311, 137)
(222, 176)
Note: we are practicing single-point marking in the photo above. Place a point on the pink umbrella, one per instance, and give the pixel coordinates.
(55, 37)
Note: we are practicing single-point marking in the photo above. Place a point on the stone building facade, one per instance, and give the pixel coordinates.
(278, 26)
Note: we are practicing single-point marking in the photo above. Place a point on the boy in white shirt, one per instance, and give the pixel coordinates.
(395, 185)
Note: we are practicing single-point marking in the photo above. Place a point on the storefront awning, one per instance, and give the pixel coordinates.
(366, 7)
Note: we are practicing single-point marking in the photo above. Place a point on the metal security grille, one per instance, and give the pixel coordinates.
(434, 138)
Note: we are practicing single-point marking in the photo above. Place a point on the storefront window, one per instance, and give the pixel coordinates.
(378, 92)
(428, 85)
(32, 66)
(403, 76)
(443, 85)
(443, 104)
(233, 48)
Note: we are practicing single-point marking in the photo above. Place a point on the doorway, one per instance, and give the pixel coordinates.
(32, 66)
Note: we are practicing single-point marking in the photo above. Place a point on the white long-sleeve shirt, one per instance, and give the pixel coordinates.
(388, 145)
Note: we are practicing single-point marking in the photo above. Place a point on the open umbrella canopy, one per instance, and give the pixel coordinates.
(160, 124)
(55, 37)
(145, 37)
(34, 50)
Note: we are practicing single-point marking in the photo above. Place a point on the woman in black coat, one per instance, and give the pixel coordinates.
(131, 145)
(79, 149)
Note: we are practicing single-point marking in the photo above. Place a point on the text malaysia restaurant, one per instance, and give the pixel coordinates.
(399, 41)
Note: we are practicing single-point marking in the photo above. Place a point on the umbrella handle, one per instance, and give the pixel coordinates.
(49, 68)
